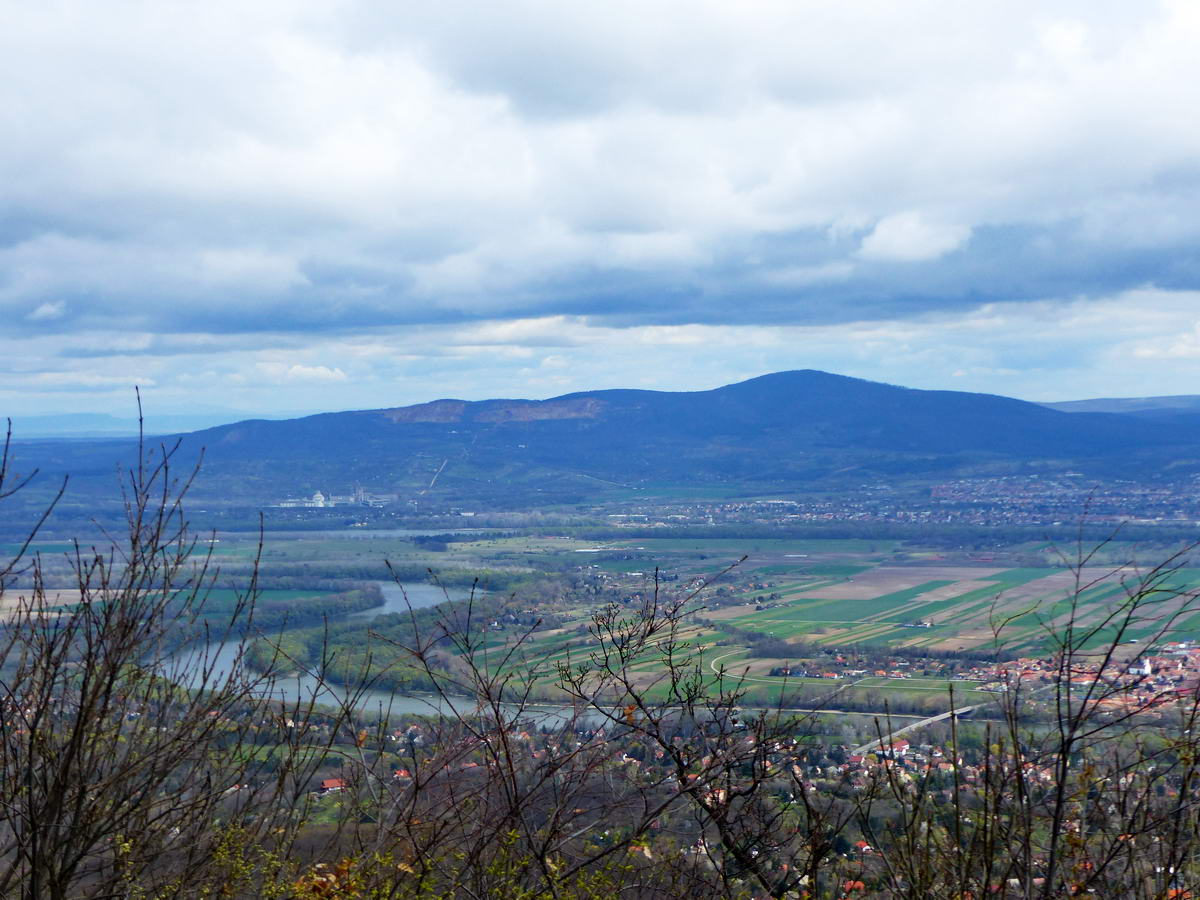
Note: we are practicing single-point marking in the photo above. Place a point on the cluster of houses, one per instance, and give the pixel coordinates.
(840, 666)
(790, 671)
(1144, 682)
(795, 764)
(791, 759)
(1002, 500)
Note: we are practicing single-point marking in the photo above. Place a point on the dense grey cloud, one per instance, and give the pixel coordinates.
(229, 181)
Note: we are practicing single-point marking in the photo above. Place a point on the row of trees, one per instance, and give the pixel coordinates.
(129, 770)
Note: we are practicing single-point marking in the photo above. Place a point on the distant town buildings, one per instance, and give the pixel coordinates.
(319, 500)
(1015, 500)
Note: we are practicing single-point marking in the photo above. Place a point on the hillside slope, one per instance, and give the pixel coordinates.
(778, 431)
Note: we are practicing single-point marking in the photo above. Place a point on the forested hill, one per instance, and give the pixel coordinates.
(785, 429)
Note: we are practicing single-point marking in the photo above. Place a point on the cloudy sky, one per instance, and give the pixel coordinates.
(324, 205)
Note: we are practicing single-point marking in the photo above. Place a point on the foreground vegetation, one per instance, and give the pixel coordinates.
(128, 769)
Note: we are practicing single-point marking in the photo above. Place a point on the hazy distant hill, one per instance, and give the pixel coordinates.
(84, 425)
(1180, 403)
(790, 429)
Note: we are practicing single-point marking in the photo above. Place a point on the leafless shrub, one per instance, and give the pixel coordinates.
(128, 767)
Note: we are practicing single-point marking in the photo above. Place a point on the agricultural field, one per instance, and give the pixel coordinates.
(814, 599)
(957, 608)
(724, 663)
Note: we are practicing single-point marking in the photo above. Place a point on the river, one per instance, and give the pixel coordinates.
(397, 599)
(305, 687)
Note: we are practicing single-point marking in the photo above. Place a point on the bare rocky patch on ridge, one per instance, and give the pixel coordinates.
(498, 410)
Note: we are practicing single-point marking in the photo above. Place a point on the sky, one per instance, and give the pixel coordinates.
(282, 207)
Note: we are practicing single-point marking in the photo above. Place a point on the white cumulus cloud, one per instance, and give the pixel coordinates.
(314, 373)
(258, 183)
(910, 237)
(47, 311)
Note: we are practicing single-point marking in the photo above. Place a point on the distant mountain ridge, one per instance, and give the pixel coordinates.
(1177, 403)
(782, 431)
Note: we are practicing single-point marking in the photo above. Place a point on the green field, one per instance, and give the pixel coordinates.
(820, 594)
(961, 611)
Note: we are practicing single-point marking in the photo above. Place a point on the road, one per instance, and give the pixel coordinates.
(940, 717)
